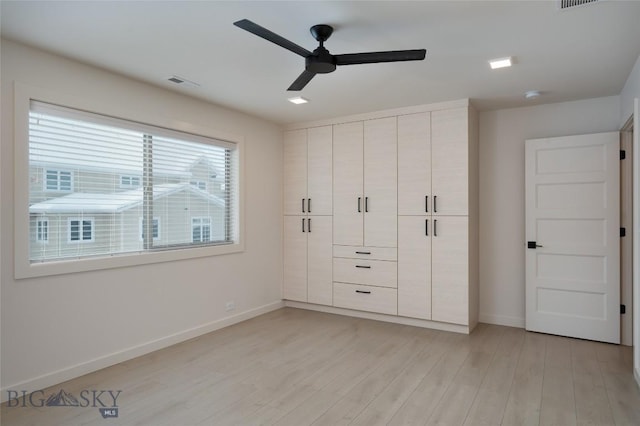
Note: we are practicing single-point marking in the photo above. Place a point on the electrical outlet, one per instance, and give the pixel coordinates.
(231, 305)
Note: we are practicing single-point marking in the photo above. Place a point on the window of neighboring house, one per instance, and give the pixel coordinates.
(80, 230)
(58, 180)
(200, 184)
(42, 230)
(94, 151)
(200, 229)
(155, 230)
(129, 181)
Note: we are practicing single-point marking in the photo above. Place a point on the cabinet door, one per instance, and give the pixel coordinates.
(320, 260)
(450, 161)
(348, 200)
(295, 258)
(414, 164)
(319, 172)
(450, 269)
(381, 182)
(295, 171)
(414, 266)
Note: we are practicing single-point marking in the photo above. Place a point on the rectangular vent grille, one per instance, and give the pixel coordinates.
(567, 4)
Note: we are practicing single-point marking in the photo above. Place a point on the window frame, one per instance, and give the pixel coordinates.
(156, 219)
(201, 223)
(172, 126)
(130, 185)
(39, 230)
(45, 180)
(81, 220)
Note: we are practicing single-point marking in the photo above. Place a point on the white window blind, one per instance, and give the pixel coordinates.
(98, 181)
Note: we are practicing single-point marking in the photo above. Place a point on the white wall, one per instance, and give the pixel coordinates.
(630, 91)
(502, 215)
(58, 327)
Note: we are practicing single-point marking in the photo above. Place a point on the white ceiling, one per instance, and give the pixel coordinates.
(583, 52)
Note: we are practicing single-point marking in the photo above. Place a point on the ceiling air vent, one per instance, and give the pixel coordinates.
(568, 4)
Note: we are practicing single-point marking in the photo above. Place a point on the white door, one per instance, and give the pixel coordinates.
(450, 161)
(572, 227)
(450, 269)
(319, 260)
(348, 200)
(414, 266)
(295, 258)
(319, 171)
(295, 171)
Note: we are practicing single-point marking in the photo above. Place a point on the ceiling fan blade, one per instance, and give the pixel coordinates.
(302, 80)
(375, 57)
(256, 29)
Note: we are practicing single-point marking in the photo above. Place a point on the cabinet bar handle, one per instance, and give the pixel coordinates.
(366, 204)
(426, 204)
(363, 252)
(363, 266)
(426, 227)
(309, 225)
(359, 200)
(303, 206)
(435, 227)
(309, 204)
(435, 206)
(363, 292)
(303, 225)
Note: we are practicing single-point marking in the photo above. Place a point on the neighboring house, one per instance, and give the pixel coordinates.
(86, 195)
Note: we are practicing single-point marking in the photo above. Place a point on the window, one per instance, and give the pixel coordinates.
(58, 180)
(200, 184)
(42, 230)
(153, 170)
(200, 229)
(129, 181)
(155, 228)
(80, 230)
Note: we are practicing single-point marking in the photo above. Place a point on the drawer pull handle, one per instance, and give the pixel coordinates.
(363, 252)
(363, 291)
(363, 266)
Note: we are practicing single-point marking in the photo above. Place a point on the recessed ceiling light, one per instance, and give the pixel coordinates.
(501, 63)
(298, 100)
(531, 94)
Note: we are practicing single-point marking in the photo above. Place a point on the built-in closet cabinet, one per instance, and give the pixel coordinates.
(365, 183)
(437, 229)
(405, 216)
(308, 221)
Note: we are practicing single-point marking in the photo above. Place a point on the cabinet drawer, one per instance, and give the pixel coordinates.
(373, 253)
(370, 272)
(365, 298)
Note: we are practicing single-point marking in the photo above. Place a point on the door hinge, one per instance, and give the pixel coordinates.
(623, 232)
(623, 154)
(623, 309)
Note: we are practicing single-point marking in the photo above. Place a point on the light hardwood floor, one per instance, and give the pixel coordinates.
(296, 367)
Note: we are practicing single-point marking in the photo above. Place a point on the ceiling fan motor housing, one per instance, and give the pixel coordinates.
(321, 62)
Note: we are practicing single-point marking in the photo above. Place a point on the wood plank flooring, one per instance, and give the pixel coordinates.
(296, 367)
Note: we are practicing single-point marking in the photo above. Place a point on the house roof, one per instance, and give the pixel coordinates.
(117, 202)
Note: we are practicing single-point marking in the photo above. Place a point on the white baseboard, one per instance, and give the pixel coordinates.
(72, 372)
(502, 320)
(381, 317)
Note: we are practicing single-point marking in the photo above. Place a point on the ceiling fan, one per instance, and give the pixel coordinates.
(320, 61)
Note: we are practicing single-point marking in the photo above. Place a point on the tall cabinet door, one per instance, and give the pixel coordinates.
(381, 182)
(450, 269)
(450, 161)
(414, 266)
(319, 174)
(295, 258)
(320, 260)
(414, 164)
(295, 171)
(348, 199)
